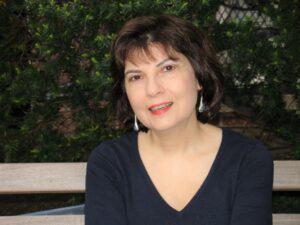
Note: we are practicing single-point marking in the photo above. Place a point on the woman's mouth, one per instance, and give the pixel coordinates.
(161, 108)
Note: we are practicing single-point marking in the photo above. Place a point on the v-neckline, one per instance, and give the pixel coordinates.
(197, 193)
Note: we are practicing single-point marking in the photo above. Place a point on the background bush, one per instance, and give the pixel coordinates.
(54, 80)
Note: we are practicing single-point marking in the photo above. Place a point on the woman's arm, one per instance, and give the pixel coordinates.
(253, 199)
(103, 201)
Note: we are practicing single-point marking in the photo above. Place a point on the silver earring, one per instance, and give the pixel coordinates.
(135, 125)
(201, 107)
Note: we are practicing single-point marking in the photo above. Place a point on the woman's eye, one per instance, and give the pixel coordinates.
(169, 67)
(134, 77)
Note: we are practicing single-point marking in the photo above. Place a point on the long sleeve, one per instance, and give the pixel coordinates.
(253, 198)
(103, 201)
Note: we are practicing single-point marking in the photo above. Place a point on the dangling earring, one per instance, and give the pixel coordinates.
(201, 107)
(135, 125)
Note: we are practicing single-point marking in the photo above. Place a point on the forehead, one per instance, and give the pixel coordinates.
(153, 52)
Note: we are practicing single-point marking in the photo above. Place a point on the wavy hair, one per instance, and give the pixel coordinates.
(173, 33)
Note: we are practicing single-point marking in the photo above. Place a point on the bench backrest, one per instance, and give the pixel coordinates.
(20, 178)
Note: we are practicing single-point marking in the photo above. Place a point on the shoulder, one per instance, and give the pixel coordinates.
(115, 146)
(239, 144)
(113, 153)
(240, 151)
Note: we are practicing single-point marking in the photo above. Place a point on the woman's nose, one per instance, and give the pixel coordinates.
(153, 86)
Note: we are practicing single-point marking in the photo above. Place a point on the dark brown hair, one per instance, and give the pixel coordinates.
(173, 33)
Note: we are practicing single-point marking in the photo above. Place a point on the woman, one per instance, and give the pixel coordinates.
(175, 168)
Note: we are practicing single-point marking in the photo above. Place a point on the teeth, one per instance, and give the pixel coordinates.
(161, 106)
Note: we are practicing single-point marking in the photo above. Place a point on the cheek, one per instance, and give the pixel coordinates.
(130, 98)
(135, 98)
(187, 88)
(189, 94)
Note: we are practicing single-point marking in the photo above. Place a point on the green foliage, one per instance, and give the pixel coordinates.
(54, 80)
(265, 65)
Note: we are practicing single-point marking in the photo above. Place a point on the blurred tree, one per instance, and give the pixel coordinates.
(263, 74)
(54, 79)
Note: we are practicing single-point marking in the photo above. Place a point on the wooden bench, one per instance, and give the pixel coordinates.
(20, 178)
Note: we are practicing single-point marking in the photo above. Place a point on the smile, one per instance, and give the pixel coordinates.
(160, 108)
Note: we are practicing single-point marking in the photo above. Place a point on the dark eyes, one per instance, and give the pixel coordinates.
(134, 77)
(169, 68)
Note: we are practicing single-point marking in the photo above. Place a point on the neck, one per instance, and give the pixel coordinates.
(177, 140)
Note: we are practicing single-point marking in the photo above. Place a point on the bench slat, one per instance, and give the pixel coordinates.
(286, 219)
(278, 219)
(43, 220)
(19, 178)
(70, 178)
(286, 176)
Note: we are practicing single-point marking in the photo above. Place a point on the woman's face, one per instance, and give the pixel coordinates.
(162, 91)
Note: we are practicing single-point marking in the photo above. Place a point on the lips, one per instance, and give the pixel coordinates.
(161, 108)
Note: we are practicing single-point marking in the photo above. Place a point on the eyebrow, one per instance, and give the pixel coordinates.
(132, 71)
(165, 60)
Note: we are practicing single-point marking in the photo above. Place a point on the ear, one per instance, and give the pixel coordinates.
(199, 87)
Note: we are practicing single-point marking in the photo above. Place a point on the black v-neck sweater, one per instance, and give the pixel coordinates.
(237, 190)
